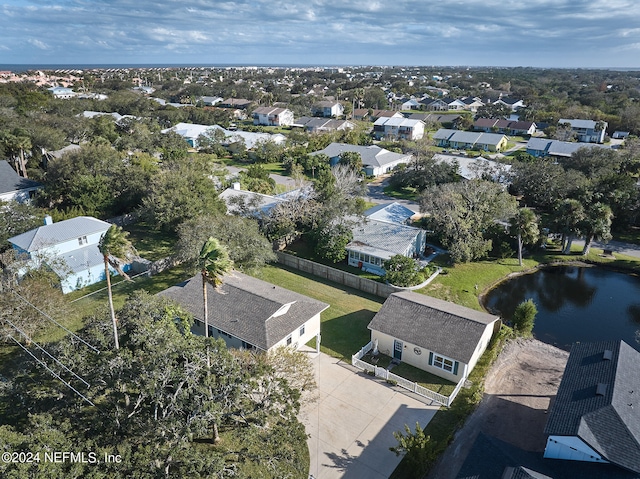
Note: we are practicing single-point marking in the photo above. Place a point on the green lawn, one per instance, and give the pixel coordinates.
(423, 378)
(151, 243)
(344, 324)
(405, 193)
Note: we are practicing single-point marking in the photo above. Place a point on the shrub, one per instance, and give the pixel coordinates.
(524, 317)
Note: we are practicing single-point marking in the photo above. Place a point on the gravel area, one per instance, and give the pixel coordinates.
(519, 389)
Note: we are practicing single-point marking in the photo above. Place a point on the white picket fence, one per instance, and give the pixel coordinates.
(402, 382)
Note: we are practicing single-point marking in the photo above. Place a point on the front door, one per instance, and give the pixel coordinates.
(397, 349)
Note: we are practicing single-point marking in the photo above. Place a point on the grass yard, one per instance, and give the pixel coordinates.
(423, 378)
(150, 243)
(344, 324)
(406, 193)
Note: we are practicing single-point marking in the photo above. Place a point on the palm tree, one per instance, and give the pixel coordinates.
(597, 225)
(524, 225)
(214, 263)
(115, 247)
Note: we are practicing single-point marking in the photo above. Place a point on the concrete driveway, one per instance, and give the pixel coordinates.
(351, 421)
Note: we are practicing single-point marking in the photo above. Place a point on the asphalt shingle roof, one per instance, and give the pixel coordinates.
(608, 422)
(11, 181)
(434, 324)
(371, 155)
(245, 306)
(56, 233)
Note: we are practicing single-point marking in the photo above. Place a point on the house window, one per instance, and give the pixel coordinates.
(289, 340)
(302, 330)
(444, 363)
(82, 240)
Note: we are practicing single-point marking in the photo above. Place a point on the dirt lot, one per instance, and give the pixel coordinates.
(518, 392)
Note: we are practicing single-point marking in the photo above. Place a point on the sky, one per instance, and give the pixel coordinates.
(537, 33)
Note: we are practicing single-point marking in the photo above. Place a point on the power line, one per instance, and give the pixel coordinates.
(44, 365)
(46, 352)
(97, 351)
(102, 289)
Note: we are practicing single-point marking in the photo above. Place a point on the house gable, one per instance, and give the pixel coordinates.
(597, 403)
(255, 312)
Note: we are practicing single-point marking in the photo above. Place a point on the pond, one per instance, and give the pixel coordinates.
(574, 304)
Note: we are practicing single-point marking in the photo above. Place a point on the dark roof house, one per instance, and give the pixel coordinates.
(15, 187)
(254, 313)
(438, 336)
(596, 414)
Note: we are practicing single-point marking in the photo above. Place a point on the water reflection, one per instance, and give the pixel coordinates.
(574, 304)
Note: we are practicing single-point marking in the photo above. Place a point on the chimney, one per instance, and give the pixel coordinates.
(236, 185)
(48, 220)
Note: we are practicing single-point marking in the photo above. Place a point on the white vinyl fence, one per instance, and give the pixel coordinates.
(356, 360)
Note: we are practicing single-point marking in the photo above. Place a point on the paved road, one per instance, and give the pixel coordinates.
(628, 249)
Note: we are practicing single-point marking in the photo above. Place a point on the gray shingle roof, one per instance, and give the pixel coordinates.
(11, 181)
(608, 422)
(433, 324)
(246, 306)
(577, 123)
(371, 155)
(56, 233)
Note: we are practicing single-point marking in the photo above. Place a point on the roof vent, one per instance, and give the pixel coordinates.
(601, 389)
(607, 355)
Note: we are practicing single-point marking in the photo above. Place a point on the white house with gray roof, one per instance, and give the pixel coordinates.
(191, 132)
(467, 140)
(398, 128)
(250, 313)
(436, 336)
(69, 247)
(272, 116)
(587, 131)
(376, 161)
(596, 414)
(14, 187)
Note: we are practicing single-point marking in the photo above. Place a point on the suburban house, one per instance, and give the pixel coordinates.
(237, 103)
(376, 240)
(48, 156)
(594, 417)
(327, 109)
(444, 119)
(508, 127)
(376, 161)
(372, 115)
(391, 213)
(69, 248)
(250, 313)
(14, 187)
(587, 131)
(541, 147)
(409, 104)
(467, 140)
(475, 168)
(210, 100)
(620, 135)
(191, 132)
(315, 124)
(510, 102)
(243, 202)
(436, 336)
(62, 93)
(472, 103)
(272, 116)
(399, 128)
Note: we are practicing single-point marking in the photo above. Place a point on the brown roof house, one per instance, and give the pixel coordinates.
(436, 336)
(250, 313)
